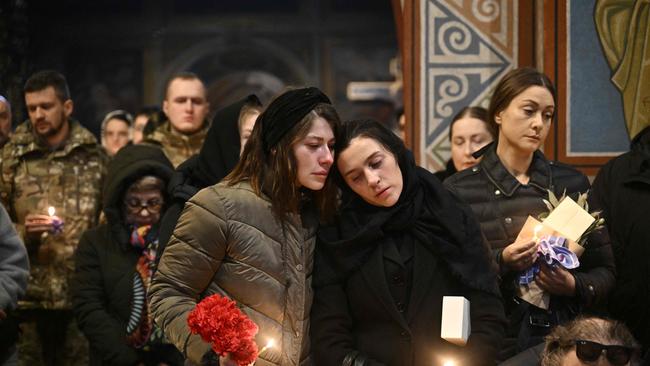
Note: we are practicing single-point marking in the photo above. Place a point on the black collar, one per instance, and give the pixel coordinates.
(539, 171)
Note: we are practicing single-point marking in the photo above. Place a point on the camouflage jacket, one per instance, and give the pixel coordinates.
(177, 147)
(34, 177)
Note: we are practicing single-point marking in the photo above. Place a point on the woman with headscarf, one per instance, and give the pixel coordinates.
(116, 131)
(115, 261)
(251, 237)
(219, 154)
(400, 243)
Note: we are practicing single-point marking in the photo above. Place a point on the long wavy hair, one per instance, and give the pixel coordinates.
(275, 173)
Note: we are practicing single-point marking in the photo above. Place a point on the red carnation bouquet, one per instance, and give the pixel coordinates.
(219, 322)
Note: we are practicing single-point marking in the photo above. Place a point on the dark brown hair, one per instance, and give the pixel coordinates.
(474, 112)
(562, 337)
(46, 78)
(512, 84)
(275, 174)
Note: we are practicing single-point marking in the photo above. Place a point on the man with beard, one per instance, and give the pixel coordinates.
(5, 121)
(51, 173)
(186, 108)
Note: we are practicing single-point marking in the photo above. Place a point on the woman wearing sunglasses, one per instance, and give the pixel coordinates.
(590, 341)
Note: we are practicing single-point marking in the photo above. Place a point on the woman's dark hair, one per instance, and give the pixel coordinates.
(46, 78)
(474, 112)
(512, 84)
(371, 129)
(275, 173)
(366, 128)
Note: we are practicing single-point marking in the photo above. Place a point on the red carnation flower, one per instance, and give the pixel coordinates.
(219, 322)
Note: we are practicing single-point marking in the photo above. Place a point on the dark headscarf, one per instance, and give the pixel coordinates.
(220, 151)
(287, 110)
(426, 212)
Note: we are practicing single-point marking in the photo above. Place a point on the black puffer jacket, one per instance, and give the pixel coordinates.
(102, 286)
(502, 204)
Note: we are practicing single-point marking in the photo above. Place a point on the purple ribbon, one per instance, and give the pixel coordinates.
(57, 226)
(552, 251)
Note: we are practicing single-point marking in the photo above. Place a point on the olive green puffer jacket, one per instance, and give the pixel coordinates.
(227, 241)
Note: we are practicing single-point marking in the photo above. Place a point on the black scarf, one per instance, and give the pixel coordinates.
(425, 212)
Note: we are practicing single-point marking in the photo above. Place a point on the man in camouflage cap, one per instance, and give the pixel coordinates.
(52, 171)
(186, 107)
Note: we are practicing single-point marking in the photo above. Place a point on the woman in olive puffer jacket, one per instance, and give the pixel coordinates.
(251, 237)
(508, 185)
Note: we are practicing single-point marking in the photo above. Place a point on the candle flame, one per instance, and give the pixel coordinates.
(538, 228)
(449, 363)
(51, 211)
(269, 344)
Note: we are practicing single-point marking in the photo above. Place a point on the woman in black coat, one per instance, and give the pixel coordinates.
(115, 261)
(219, 154)
(622, 190)
(509, 184)
(401, 243)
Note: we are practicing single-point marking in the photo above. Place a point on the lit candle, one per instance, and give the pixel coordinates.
(449, 363)
(269, 344)
(538, 228)
(57, 224)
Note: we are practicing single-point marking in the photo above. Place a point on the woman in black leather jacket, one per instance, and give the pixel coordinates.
(508, 185)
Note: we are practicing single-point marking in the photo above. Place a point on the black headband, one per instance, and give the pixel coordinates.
(287, 110)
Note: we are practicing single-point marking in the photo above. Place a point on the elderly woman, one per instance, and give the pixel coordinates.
(590, 341)
(115, 262)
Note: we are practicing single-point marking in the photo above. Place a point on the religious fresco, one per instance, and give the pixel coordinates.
(466, 46)
(595, 123)
(624, 30)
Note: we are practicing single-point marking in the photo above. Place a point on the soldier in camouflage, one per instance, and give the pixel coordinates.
(52, 171)
(186, 107)
(5, 121)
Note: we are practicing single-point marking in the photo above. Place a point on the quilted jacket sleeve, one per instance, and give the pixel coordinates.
(192, 257)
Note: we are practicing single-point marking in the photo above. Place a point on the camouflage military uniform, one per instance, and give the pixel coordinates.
(177, 147)
(32, 178)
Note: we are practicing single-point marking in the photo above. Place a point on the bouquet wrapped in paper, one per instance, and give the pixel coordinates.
(561, 237)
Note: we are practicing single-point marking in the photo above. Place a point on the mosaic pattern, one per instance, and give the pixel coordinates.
(467, 45)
